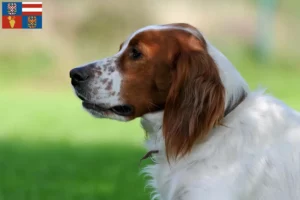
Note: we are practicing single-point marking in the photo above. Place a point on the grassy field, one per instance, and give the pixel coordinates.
(51, 149)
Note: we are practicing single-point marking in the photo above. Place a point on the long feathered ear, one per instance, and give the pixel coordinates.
(195, 103)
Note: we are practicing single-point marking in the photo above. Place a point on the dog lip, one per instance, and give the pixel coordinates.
(122, 110)
(93, 106)
(81, 97)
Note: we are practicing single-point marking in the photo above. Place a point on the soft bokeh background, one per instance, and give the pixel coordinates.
(51, 149)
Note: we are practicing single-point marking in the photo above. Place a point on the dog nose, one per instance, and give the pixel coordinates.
(79, 75)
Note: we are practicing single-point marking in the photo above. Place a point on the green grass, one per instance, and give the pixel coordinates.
(51, 149)
(280, 76)
(51, 171)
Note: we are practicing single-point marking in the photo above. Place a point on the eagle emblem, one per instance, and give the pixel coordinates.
(11, 8)
(32, 22)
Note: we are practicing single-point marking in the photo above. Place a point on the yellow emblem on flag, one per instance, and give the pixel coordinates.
(12, 21)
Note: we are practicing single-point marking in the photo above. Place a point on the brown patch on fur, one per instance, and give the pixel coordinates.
(195, 103)
(105, 66)
(146, 80)
(111, 69)
(175, 73)
(109, 85)
(188, 26)
(103, 81)
(98, 72)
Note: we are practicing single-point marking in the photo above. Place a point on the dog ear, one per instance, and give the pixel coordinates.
(195, 103)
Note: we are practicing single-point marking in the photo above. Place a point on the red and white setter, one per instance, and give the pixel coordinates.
(211, 138)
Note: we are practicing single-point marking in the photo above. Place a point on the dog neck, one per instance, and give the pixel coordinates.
(152, 124)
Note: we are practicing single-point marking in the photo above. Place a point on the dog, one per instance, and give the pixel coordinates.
(210, 136)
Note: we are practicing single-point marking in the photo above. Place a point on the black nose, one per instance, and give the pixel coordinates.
(79, 75)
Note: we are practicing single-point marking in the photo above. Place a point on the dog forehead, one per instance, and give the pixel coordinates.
(182, 27)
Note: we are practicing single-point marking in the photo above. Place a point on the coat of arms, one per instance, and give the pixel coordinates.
(12, 21)
(11, 8)
(31, 21)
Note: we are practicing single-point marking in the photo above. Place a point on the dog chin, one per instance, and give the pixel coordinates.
(106, 115)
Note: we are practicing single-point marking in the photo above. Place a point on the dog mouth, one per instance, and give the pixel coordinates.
(122, 110)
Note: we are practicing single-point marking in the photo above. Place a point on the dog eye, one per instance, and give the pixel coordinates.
(135, 54)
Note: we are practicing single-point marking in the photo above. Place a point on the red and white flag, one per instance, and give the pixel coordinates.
(32, 8)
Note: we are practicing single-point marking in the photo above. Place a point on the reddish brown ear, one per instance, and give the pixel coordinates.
(194, 104)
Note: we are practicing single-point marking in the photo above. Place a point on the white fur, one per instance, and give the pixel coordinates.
(105, 88)
(255, 155)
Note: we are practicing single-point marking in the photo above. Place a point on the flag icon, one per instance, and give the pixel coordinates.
(22, 15)
(32, 8)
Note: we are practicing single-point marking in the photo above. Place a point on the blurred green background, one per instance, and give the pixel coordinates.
(51, 149)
